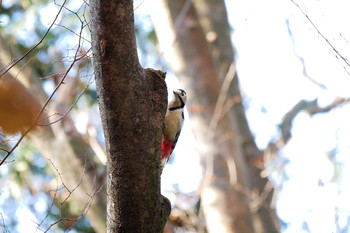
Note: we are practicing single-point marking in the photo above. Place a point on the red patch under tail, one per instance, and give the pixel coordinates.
(166, 148)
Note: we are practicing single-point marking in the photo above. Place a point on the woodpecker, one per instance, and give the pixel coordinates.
(174, 119)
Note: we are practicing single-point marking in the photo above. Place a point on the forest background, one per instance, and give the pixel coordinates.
(272, 148)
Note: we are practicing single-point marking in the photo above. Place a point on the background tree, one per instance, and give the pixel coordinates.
(202, 65)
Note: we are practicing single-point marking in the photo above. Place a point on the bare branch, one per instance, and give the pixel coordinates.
(139, 5)
(180, 18)
(4, 150)
(222, 97)
(59, 186)
(37, 44)
(309, 106)
(76, 58)
(2, 224)
(52, 203)
(73, 32)
(70, 108)
(344, 59)
(301, 59)
(218, 113)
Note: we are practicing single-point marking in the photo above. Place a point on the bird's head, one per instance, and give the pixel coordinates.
(181, 96)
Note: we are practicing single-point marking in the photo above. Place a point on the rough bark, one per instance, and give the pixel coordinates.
(187, 53)
(132, 104)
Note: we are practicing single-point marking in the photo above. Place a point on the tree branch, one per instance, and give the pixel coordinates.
(36, 45)
(345, 60)
(310, 107)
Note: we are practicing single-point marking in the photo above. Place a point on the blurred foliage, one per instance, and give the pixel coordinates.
(29, 181)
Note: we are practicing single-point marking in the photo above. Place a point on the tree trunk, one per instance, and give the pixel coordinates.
(214, 21)
(193, 50)
(132, 104)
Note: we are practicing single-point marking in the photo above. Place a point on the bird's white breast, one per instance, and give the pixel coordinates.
(173, 121)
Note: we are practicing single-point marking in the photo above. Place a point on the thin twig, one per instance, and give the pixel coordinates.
(180, 18)
(84, 210)
(5, 150)
(222, 97)
(37, 44)
(52, 203)
(139, 5)
(3, 225)
(323, 37)
(76, 58)
(301, 59)
(69, 110)
(73, 32)
(216, 117)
